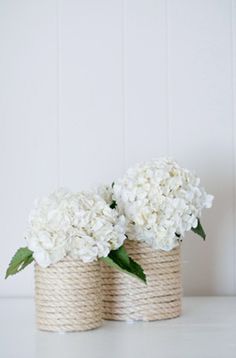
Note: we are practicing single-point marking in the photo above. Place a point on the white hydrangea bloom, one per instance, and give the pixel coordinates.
(161, 201)
(80, 225)
(98, 229)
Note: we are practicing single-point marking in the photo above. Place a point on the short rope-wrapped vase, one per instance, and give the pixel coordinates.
(68, 296)
(126, 298)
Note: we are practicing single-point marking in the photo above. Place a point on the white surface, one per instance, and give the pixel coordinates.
(88, 87)
(206, 329)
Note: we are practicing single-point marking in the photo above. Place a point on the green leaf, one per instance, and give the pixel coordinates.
(199, 230)
(113, 204)
(120, 260)
(22, 258)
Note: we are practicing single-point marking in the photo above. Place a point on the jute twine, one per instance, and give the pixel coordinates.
(68, 296)
(126, 298)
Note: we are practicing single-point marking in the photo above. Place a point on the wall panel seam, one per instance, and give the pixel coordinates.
(124, 99)
(58, 84)
(168, 112)
(233, 83)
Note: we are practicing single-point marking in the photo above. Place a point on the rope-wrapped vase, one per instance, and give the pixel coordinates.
(68, 296)
(126, 298)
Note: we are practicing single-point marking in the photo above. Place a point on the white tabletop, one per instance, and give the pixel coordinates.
(206, 329)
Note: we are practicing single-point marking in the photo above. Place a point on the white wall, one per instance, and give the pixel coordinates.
(89, 87)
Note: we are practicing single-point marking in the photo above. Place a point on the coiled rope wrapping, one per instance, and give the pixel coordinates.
(68, 296)
(126, 298)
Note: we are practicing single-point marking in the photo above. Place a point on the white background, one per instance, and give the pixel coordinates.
(89, 87)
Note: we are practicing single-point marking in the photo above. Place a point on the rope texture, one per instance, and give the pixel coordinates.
(68, 296)
(126, 298)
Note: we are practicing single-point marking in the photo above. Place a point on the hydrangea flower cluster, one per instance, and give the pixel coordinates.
(81, 225)
(161, 201)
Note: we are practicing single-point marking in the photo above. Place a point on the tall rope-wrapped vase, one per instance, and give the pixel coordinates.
(68, 296)
(126, 298)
